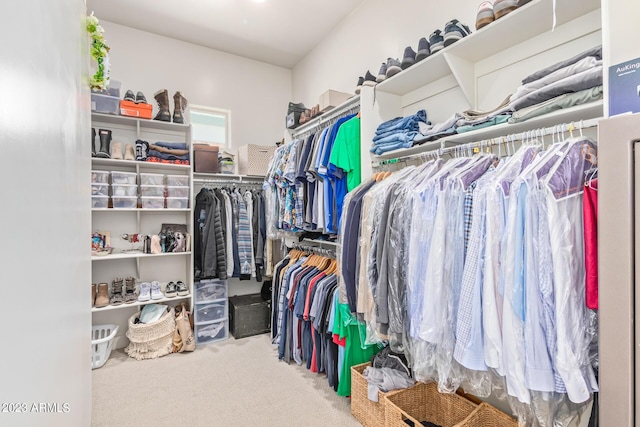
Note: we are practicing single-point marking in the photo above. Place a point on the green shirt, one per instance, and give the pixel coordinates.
(346, 152)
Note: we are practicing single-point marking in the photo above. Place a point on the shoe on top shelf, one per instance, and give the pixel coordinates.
(382, 74)
(454, 30)
(145, 292)
(369, 79)
(436, 41)
(504, 7)
(424, 49)
(128, 96)
(409, 58)
(393, 67)
(359, 85)
(140, 98)
(156, 293)
(485, 14)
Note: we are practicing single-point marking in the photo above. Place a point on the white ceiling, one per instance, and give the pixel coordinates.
(279, 32)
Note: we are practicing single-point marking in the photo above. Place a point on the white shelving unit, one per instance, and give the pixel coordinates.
(481, 70)
(126, 261)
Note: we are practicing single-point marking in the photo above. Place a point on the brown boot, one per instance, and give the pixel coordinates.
(93, 295)
(179, 107)
(162, 97)
(116, 292)
(102, 298)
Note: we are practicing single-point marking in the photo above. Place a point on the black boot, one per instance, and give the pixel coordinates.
(179, 107)
(93, 142)
(105, 144)
(162, 97)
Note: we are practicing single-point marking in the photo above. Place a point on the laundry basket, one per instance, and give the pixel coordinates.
(101, 344)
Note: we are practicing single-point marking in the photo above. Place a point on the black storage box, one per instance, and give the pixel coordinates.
(249, 315)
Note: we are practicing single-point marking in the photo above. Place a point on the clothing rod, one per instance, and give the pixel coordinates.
(490, 142)
(225, 181)
(353, 102)
(314, 249)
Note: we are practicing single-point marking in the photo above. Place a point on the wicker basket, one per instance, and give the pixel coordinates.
(488, 415)
(423, 402)
(370, 414)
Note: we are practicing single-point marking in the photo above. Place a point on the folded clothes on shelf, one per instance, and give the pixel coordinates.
(165, 156)
(596, 52)
(566, 100)
(172, 145)
(154, 159)
(398, 133)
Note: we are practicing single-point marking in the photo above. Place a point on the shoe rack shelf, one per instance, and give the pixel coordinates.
(139, 304)
(135, 255)
(163, 267)
(479, 71)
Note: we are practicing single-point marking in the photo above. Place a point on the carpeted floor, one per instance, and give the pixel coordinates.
(233, 383)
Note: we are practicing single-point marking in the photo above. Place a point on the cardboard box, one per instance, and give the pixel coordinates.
(331, 99)
(131, 109)
(205, 158)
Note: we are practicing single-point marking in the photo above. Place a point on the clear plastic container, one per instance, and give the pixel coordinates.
(114, 88)
(99, 202)
(152, 202)
(125, 202)
(177, 191)
(152, 190)
(105, 104)
(207, 291)
(118, 177)
(100, 177)
(129, 190)
(177, 180)
(151, 179)
(212, 312)
(99, 189)
(177, 202)
(213, 332)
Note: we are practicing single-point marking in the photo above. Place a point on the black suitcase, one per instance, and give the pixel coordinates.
(249, 315)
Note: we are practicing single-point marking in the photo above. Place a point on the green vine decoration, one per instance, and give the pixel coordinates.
(99, 52)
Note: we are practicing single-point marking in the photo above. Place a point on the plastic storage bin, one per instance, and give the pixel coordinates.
(152, 190)
(101, 344)
(128, 178)
(211, 312)
(207, 291)
(100, 177)
(99, 189)
(151, 179)
(177, 202)
(177, 191)
(99, 202)
(114, 88)
(213, 332)
(177, 180)
(125, 202)
(105, 104)
(152, 202)
(129, 190)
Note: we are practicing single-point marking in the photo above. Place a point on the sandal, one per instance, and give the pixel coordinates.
(130, 295)
(116, 292)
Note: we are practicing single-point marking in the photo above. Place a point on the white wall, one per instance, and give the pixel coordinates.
(375, 31)
(45, 269)
(256, 93)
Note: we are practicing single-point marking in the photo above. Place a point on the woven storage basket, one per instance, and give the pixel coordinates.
(370, 414)
(153, 340)
(488, 415)
(254, 159)
(423, 402)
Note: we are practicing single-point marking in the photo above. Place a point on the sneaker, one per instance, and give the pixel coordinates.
(436, 41)
(156, 293)
(145, 292)
(504, 7)
(454, 30)
(393, 67)
(369, 79)
(409, 58)
(424, 49)
(183, 290)
(128, 96)
(171, 290)
(485, 14)
(382, 74)
(140, 98)
(359, 86)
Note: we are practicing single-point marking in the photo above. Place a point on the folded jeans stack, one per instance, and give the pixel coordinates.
(575, 81)
(398, 133)
(168, 152)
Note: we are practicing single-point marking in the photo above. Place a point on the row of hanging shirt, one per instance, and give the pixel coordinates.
(308, 178)
(309, 324)
(230, 233)
(475, 269)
